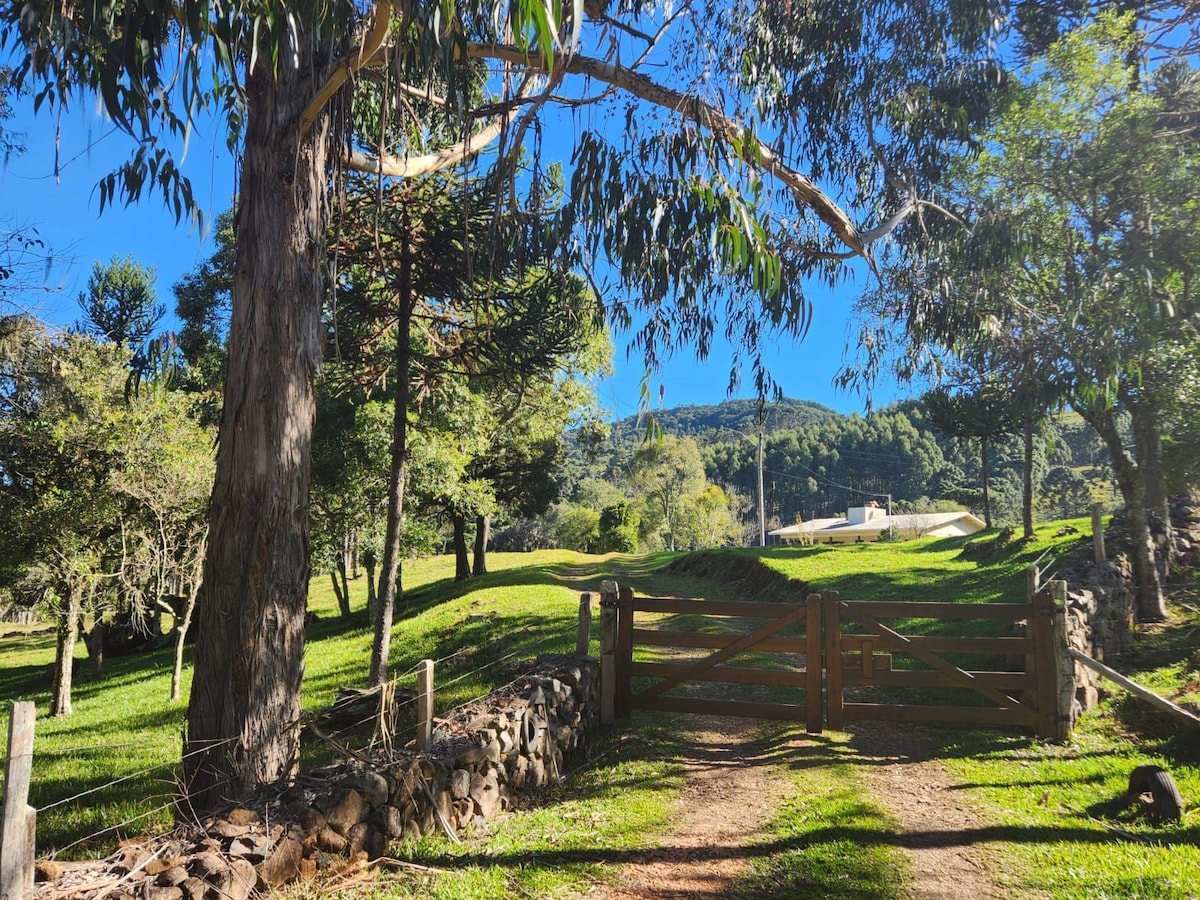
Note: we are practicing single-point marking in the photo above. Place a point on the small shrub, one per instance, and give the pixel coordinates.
(618, 529)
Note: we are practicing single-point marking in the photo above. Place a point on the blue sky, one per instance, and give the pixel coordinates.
(66, 215)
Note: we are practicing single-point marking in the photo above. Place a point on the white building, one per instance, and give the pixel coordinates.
(868, 523)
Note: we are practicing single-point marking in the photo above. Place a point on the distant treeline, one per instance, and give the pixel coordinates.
(817, 462)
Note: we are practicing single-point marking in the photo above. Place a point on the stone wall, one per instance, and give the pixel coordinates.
(1101, 598)
(486, 758)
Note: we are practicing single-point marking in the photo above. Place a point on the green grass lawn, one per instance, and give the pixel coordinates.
(124, 727)
(938, 569)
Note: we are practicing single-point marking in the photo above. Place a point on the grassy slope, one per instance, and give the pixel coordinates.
(1044, 803)
(1050, 808)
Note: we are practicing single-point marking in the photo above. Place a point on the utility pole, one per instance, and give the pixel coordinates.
(762, 510)
(762, 505)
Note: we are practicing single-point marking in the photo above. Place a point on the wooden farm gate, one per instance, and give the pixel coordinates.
(1034, 689)
(767, 637)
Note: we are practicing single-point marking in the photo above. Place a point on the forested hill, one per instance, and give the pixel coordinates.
(731, 415)
(817, 462)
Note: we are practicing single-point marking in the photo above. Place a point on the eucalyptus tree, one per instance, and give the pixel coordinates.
(708, 200)
(1085, 224)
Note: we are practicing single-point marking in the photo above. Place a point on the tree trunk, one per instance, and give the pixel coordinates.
(483, 531)
(1151, 605)
(244, 714)
(343, 601)
(389, 575)
(64, 652)
(344, 593)
(372, 596)
(462, 565)
(95, 648)
(345, 609)
(181, 629)
(1147, 439)
(984, 477)
(1027, 480)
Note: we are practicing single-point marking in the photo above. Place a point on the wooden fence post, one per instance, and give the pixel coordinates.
(814, 714)
(1033, 577)
(1053, 667)
(608, 653)
(17, 831)
(1098, 532)
(583, 634)
(834, 710)
(623, 703)
(424, 705)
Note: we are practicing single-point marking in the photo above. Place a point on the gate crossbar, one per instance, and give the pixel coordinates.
(739, 645)
(966, 679)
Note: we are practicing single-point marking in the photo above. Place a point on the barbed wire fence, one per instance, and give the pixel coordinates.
(377, 747)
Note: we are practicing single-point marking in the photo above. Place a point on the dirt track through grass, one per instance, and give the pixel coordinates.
(732, 785)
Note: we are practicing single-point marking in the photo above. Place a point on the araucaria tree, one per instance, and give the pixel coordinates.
(704, 195)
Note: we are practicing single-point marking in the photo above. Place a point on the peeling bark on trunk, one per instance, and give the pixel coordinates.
(64, 653)
(462, 565)
(244, 714)
(483, 533)
(389, 576)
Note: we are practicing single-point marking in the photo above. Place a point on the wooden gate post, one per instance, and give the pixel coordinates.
(425, 705)
(608, 652)
(624, 700)
(17, 830)
(583, 633)
(1053, 667)
(834, 710)
(814, 713)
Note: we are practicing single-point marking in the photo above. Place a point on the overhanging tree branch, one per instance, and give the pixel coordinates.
(704, 114)
(355, 60)
(414, 166)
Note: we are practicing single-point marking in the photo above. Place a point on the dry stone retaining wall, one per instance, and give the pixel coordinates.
(485, 759)
(1101, 597)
